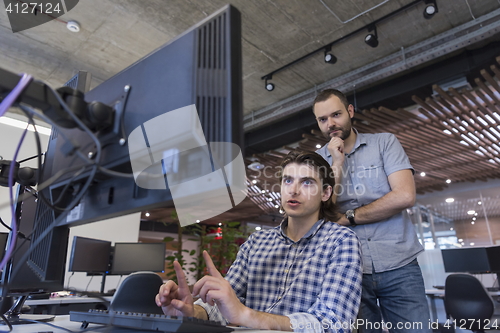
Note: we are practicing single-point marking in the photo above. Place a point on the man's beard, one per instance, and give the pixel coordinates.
(344, 132)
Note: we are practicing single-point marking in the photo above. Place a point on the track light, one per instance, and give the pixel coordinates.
(430, 9)
(372, 39)
(329, 58)
(269, 86)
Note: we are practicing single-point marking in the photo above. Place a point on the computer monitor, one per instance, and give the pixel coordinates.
(89, 255)
(472, 260)
(200, 67)
(133, 257)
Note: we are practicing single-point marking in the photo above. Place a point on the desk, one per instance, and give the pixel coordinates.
(62, 305)
(433, 294)
(64, 322)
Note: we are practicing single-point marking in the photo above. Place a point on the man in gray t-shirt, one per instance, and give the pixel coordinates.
(374, 187)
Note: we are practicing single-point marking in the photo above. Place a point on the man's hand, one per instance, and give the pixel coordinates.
(213, 288)
(176, 300)
(336, 149)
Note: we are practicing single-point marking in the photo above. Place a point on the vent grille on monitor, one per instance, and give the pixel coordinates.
(38, 259)
(46, 257)
(80, 81)
(212, 79)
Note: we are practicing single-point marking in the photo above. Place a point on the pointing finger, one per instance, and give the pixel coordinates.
(212, 270)
(181, 277)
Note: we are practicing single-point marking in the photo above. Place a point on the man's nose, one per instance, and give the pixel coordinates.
(331, 122)
(293, 188)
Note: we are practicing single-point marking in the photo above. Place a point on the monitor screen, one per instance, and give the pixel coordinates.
(133, 257)
(472, 260)
(89, 255)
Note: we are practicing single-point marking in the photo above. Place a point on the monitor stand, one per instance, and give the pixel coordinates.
(15, 317)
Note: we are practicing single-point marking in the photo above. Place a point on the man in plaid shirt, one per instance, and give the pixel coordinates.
(303, 276)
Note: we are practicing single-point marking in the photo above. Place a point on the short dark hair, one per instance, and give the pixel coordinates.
(327, 93)
(328, 209)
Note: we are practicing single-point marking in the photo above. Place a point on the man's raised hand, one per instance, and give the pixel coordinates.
(214, 289)
(176, 300)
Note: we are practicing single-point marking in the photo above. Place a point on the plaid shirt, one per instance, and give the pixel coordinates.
(316, 281)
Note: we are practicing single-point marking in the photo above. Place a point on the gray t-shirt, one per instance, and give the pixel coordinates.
(390, 243)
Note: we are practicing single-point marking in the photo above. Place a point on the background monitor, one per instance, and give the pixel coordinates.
(472, 260)
(90, 255)
(133, 257)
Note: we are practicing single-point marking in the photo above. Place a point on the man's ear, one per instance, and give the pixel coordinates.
(350, 109)
(327, 193)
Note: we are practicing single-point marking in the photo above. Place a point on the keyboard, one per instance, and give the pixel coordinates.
(147, 322)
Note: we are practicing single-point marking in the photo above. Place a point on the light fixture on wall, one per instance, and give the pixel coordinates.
(329, 57)
(269, 86)
(372, 39)
(430, 9)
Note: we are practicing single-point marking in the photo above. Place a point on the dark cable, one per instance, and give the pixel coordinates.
(32, 157)
(4, 224)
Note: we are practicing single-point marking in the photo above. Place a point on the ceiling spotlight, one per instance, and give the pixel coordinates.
(256, 166)
(147, 214)
(329, 58)
(254, 181)
(318, 146)
(479, 203)
(269, 86)
(372, 39)
(422, 174)
(471, 212)
(450, 200)
(448, 181)
(430, 9)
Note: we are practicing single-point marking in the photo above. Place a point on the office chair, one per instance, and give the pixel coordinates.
(467, 301)
(137, 293)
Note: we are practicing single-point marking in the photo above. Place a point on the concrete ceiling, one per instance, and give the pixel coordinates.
(116, 33)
